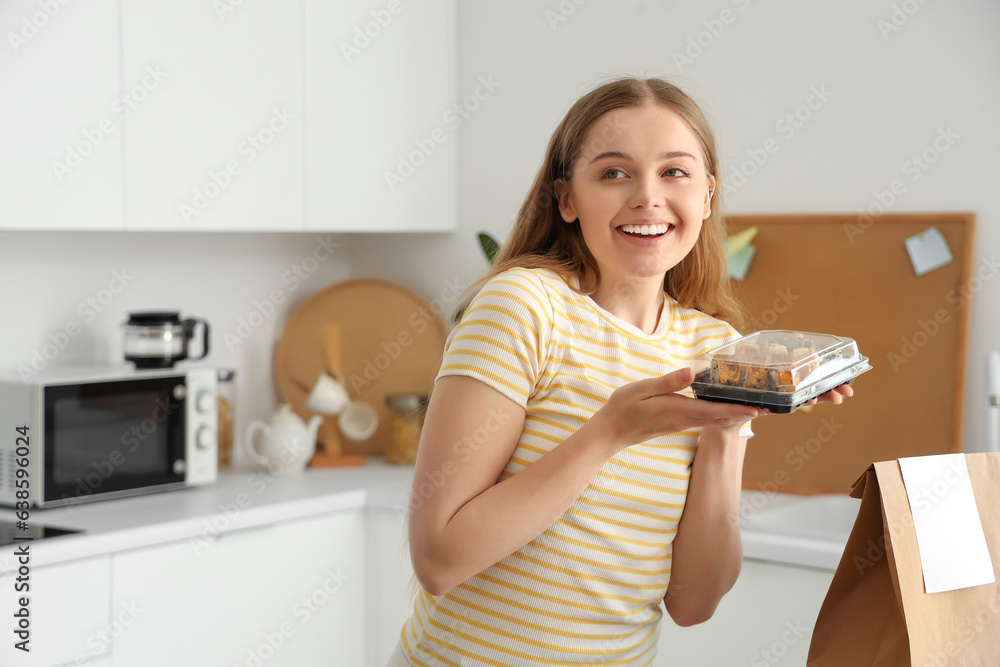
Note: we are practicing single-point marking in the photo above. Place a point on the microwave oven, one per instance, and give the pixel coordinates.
(74, 436)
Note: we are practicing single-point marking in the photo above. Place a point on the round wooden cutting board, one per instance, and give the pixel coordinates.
(392, 342)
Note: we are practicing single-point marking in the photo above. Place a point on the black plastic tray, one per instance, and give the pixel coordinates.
(778, 403)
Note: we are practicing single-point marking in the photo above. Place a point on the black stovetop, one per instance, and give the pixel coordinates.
(10, 533)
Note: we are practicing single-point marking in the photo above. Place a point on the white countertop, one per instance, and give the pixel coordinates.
(238, 500)
(786, 529)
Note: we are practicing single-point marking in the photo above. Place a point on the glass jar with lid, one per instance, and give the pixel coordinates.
(406, 420)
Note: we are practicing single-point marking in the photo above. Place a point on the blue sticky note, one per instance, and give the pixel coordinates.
(739, 262)
(928, 250)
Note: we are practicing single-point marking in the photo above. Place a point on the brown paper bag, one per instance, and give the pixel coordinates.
(876, 611)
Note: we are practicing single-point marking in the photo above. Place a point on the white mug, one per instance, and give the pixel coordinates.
(358, 422)
(329, 396)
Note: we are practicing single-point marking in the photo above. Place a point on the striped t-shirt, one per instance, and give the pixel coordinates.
(587, 590)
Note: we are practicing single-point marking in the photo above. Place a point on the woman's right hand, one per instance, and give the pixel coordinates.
(646, 409)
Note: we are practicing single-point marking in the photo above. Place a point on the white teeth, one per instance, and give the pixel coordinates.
(646, 230)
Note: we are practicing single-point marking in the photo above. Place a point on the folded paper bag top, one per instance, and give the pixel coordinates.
(877, 612)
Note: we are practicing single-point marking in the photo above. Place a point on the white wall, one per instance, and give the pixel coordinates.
(891, 92)
(52, 281)
(889, 97)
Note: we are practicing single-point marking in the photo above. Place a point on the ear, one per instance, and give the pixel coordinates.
(564, 197)
(709, 193)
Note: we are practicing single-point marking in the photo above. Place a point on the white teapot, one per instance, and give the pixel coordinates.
(288, 442)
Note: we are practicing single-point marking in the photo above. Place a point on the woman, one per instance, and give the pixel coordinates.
(567, 481)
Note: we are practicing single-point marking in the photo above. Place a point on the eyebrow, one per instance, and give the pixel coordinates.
(625, 156)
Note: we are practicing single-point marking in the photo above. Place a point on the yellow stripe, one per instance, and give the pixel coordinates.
(528, 658)
(531, 419)
(651, 487)
(524, 574)
(490, 359)
(474, 371)
(534, 610)
(650, 471)
(513, 620)
(599, 564)
(587, 577)
(549, 598)
(611, 538)
(526, 640)
(624, 524)
(590, 546)
(635, 499)
(620, 508)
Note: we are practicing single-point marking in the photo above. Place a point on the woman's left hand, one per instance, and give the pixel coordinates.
(835, 396)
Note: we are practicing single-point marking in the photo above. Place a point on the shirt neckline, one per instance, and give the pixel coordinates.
(662, 324)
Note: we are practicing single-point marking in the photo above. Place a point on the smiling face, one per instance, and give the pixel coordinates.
(639, 190)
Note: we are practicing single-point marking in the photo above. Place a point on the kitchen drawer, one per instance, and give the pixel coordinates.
(70, 614)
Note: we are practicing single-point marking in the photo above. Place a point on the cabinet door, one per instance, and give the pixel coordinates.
(766, 619)
(68, 613)
(289, 595)
(390, 584)
(381, 150)
(217, 142)
(61, 115)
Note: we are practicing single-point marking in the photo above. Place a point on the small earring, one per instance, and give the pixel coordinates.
(711, 192)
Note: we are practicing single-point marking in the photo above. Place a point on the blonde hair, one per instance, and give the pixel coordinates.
(541, 239)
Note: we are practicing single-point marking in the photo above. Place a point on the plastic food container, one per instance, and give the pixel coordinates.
(777, 370)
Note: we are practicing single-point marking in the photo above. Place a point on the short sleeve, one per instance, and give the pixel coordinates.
(503, 336)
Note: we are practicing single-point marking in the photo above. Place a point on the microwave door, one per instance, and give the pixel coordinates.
(117, 437)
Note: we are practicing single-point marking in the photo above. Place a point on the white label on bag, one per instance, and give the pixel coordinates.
(953, 551)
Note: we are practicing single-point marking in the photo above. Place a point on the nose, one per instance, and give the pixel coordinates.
(647, 193)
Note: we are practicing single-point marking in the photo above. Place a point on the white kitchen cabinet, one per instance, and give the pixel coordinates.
(61, 115)
(765, 620)
(71, 620)
(286, 595)
(390, 583)
(216, 143)
(381, 149)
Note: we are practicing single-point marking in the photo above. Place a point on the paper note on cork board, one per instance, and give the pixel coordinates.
(928, 250)
(950, 537)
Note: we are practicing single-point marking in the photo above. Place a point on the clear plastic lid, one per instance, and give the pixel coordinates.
(777, 369)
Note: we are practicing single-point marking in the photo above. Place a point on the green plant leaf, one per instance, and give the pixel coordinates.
(489, 245)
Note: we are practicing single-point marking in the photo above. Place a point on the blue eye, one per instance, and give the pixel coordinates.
(676, 171)
(610, 174)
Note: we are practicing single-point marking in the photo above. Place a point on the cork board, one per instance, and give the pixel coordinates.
(851, 276)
